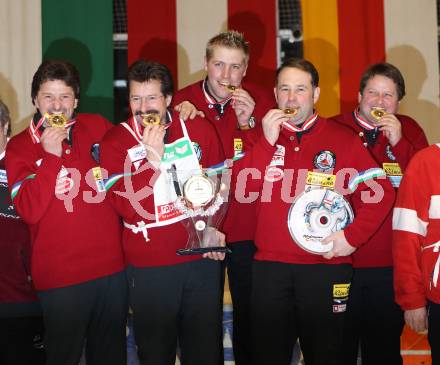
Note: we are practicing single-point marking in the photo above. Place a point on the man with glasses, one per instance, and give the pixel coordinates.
(175, 299)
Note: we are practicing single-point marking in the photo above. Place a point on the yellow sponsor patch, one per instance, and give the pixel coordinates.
(341, 290)
(97, 174)
(320, 179)
(238, 145)
(392, 168)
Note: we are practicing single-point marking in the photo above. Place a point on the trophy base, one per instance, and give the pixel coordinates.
(202, 250)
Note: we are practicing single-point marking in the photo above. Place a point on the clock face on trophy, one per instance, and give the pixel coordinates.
(198, 190)
(314, 215)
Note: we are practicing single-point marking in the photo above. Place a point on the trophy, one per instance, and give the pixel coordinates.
(203, 199)
(315, 214)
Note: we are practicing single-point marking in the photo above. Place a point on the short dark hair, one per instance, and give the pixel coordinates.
(387, 70)
(302, 65)
(143, 71)
(51, 70)
(5, 117)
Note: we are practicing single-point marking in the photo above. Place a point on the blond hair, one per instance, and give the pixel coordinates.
(230, 39)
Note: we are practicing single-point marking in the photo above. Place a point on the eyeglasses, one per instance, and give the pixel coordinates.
(137, 100)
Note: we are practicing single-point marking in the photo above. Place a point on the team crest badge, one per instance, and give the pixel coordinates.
(324, 160)
(198, 150)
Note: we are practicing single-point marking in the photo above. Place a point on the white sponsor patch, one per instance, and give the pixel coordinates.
(3, 176)
(137, 153)
(339, 308)
(434, 207)
(273, 174)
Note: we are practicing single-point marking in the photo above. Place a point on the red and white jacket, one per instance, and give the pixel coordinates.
(324, 137)
(75, 235)
(377, 253)
(416, 232)
(160, 250)
(17, 294)
(239, 223)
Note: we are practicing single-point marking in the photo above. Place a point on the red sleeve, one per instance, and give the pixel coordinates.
(413, 140)
(372, 198)
(128, 190)
(34, 194)
(248, 173)
(410, 220)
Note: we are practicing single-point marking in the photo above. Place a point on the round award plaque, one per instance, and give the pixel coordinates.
(314, 215)
(198, 190)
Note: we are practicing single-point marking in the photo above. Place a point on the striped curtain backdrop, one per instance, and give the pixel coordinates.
(78, 31)
(175, 32)
(341, 37)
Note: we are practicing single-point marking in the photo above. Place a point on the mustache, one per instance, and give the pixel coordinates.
(149, 111)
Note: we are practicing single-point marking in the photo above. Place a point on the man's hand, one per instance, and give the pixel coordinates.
(341, 247)
(417, 319)
(152, 139)
(391, 127)
(51, 140)
(187, 110)
(221, 242)
(243, 105)
(272, 123)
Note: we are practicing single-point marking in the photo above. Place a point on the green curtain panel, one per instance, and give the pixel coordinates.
(81, 32)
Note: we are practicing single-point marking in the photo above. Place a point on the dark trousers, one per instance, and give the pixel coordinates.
(239, 266)
(434, 331)
(177, 304)
(291, 301)
(93, 314)
(373, 321)
(21, 341)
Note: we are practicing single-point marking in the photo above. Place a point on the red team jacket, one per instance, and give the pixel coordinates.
(344, 150)
(239, 224)
(416, 232)
(17, 296)
(76, 236)
(377, 253)
(164, 240)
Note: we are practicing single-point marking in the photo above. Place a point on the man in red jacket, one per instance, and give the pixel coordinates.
(57, 188)
(21, 320)
(297, 293)
(416, 243)
(235, 109)
(391, 139)
(175, 299)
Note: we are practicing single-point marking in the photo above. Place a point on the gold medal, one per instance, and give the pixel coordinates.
(56, 120)
(231, 88)
(150, 119)
(290, 112)
(377, 113)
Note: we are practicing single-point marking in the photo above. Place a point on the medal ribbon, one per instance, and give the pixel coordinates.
(34, 129)
(307, 124)
(138, 130)
(363, 122)
(210, 100)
